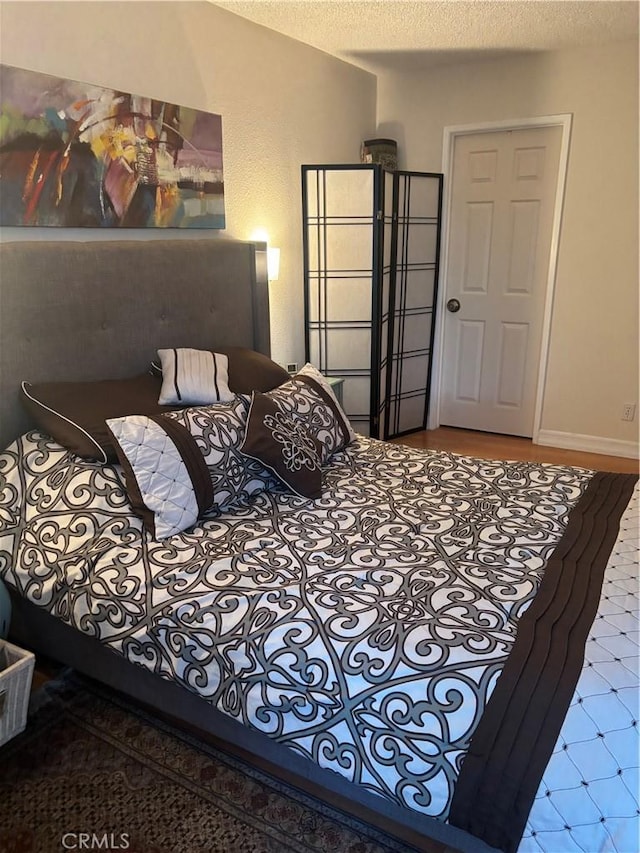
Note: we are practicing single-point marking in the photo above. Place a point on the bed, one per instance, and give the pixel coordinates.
(445, 646)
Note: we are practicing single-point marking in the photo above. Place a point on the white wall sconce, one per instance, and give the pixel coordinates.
(273, 263)
(273, 254)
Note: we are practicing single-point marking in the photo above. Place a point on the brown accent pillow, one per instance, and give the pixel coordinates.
(74, 413)
(248, 370)
(252, 371)
(284, 445)
(307, 397)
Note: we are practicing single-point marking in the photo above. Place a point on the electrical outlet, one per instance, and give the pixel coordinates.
(628, 411)
(292, 367)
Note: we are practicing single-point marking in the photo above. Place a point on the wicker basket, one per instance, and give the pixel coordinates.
(16, 672)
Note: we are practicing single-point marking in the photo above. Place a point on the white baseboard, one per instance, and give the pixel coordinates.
(588, 443)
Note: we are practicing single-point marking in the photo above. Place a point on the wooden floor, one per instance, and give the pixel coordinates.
(488, 445)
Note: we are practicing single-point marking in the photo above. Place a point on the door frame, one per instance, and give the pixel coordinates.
(450, 133)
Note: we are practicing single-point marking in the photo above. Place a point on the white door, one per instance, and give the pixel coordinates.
(502, 207)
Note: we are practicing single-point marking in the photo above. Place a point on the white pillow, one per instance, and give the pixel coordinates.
(193, 377)
(167, 480)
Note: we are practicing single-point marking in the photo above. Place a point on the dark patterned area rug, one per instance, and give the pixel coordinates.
(93, 771)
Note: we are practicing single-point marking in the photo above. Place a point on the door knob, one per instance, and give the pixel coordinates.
(453, 305)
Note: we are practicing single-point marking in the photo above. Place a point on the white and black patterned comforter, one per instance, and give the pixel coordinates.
(365, 630)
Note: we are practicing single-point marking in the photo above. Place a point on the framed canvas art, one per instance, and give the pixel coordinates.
(78, 155)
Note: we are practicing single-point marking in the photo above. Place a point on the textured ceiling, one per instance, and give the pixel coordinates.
(410, 34)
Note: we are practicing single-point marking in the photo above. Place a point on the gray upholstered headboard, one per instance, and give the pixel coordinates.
(100, 310)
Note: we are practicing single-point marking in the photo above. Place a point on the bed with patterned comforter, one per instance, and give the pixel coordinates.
(368, 630)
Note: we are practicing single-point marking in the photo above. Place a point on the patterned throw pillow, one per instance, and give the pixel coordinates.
(219, 432)
(284, 445)
(308, 397)
(192, 377)
(167, 481)
(183, 464)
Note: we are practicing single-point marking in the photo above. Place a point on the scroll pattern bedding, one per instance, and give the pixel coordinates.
(365, 630)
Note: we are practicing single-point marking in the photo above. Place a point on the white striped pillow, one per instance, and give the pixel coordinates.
(192, 377)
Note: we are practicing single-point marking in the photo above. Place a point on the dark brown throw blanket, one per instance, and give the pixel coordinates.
(521, 723)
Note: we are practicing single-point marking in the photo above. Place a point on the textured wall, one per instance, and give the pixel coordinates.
(593, 359)
(282, 104)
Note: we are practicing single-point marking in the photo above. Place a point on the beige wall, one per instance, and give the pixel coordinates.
(593, 363)
(282, 104)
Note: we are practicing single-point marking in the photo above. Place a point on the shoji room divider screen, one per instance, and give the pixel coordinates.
(371, 247)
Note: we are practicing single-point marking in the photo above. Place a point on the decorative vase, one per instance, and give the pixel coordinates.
(381, 151)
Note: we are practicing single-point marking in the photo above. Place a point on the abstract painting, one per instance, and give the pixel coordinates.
(77, 155)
